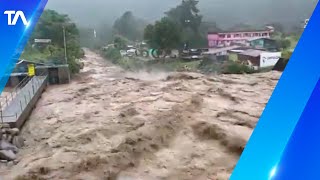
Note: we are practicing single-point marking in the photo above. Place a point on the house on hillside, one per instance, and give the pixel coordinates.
(264, 44)
(229, 38)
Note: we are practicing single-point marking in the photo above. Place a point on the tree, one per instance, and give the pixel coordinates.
(120, 42)
(50, 26)
(284, 43)
(186, 15)
(286, 54)
(181, 24)
(165, 34)
(149, 35)
(129, 26)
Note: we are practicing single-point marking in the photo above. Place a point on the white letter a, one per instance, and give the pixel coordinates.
(21, 15)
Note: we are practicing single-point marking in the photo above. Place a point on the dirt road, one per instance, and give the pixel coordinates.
(109, 124)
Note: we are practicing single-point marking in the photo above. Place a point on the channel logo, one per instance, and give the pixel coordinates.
(14, 16)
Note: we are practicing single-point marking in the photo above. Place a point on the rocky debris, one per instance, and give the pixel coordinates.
(18, 141)
(7, 155)
(10, 142)
(81, 64)
(4, 145)
(129, 112)
(182, 76)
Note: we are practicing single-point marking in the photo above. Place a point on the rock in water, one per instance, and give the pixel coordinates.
(9, 138)
(3, 161)
(14, 131)
(10, 164)
(4, 136)
(4, 145)
(18, 141)
(7, 155)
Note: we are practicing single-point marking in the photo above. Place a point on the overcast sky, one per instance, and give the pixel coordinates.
(224, 12)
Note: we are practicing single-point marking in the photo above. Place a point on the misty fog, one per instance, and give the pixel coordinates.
(224, 12)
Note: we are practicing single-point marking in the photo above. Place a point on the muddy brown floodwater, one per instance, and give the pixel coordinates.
(110, 124)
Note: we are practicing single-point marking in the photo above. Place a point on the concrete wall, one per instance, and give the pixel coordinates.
(269, 59)
(63, 75)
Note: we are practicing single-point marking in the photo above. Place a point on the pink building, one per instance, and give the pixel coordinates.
(222, 39)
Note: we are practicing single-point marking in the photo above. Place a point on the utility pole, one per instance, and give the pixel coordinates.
(65, 50)
(186, 45)
(95, 33)
(65, 45)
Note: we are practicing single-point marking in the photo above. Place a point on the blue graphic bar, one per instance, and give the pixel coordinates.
(301, 158)
(17, 21)
(266, 146)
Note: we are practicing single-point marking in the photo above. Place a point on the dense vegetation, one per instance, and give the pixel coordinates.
(129, 26)
(181, 25)
(50, 26)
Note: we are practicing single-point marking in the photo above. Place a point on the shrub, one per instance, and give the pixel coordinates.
(113, 54)
(236, 68)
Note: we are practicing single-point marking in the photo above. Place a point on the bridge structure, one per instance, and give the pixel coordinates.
(17, 105)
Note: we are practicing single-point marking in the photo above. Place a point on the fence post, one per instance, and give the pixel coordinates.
(25, 99)
(33, 88)
(11, 95)
(21, 106)
(1, 113)
(1, 117)
(29, 95)
(7, 100)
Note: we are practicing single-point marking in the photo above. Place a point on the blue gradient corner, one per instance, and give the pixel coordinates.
(15, 37)
(301, 158)
(266, 146)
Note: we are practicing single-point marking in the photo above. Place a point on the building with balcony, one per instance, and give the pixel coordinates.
(264, 44)
(228, 38)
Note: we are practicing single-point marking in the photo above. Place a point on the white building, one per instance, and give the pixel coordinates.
(258, 59)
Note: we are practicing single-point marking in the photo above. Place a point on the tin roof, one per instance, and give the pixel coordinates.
(23, 60)
(218, 50)
(241, 31)
(52, 66)
(252, 52)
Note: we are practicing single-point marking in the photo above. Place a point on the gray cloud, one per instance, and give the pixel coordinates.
(224, 12)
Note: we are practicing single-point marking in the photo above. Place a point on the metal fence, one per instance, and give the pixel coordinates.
(7, 98)
(17, 100)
